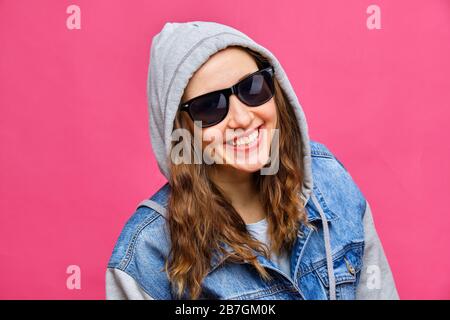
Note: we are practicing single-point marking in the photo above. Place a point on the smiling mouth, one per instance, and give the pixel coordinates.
(248, 141)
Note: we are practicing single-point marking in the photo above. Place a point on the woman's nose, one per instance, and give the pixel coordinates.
(240, 114)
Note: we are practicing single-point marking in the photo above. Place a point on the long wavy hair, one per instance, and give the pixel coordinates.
(201, 218)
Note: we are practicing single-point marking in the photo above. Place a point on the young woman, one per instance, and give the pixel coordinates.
(253, 209)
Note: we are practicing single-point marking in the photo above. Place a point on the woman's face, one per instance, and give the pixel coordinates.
(222, 70)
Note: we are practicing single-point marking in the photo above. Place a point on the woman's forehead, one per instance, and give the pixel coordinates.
(220, 71)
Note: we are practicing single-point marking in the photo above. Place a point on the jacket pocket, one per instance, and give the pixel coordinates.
(347, 264)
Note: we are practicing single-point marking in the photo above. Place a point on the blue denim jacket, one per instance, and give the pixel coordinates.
(330, 262)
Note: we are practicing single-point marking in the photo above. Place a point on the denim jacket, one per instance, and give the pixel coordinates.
(341, 259)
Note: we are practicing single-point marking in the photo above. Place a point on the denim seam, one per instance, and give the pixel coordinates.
(131, 246)
(297, 266)
(320, 264)
(324, 204)
(264, 292)
(339, 254)
(318, 149)
(321, 155)
(339, 279)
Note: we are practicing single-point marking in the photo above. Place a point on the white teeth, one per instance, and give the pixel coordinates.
(246, 140)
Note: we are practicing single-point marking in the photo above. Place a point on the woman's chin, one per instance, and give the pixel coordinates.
(248, 163)
(247, 167)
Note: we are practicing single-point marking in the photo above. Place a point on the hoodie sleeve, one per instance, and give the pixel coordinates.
(376, 281)
(121, 286)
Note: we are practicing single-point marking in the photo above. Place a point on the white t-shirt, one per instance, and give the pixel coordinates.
(259, 231)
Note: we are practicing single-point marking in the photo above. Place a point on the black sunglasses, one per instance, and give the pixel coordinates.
(212, 107)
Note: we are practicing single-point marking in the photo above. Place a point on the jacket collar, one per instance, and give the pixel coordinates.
(313, 211)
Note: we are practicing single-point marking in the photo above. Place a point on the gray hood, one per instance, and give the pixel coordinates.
(176, 53)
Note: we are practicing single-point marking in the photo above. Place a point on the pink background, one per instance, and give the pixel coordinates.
(75, 155)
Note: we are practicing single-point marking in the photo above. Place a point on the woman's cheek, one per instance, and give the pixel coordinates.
(211, 136)
(270, 113)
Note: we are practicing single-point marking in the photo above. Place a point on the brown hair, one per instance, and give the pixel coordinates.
(201, 217)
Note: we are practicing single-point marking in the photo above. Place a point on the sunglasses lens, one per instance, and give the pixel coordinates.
(210, 109)
(257, 89)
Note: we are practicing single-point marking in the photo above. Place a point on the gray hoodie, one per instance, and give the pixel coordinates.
(176, 53)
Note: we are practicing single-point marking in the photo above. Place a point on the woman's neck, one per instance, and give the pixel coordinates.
(240, 187)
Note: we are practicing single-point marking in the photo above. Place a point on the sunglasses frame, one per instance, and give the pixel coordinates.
(227, 92)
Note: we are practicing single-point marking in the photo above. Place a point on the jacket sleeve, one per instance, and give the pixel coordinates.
(376, 281)
(120, 285)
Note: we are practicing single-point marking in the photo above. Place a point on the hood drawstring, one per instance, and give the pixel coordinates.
(326, 237)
